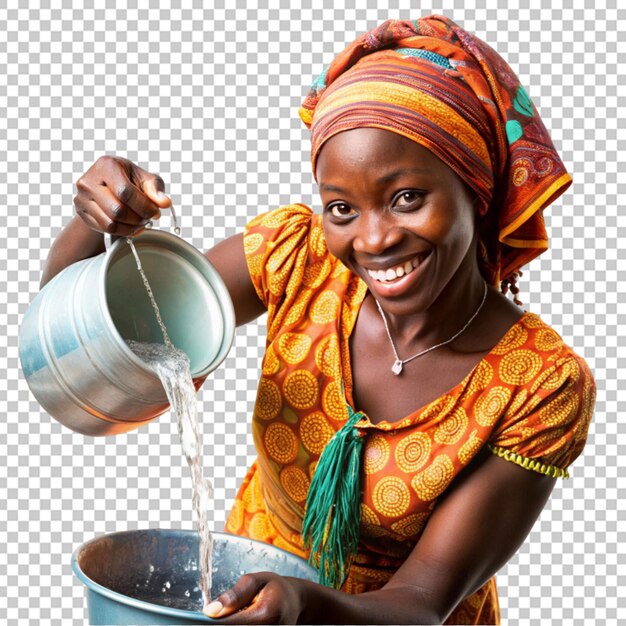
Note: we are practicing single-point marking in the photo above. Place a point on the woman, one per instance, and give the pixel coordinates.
(411, 421)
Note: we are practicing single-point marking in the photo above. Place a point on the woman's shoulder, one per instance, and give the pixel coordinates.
(294, 213)
(288, 261)
(545, 341)
(550, 397)
(532, 356)
(290, 229)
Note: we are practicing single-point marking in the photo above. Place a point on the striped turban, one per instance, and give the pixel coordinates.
(435, 83)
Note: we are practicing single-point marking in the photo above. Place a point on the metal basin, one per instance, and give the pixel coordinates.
(151, 576)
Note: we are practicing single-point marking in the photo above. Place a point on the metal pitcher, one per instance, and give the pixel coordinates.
(73, 336)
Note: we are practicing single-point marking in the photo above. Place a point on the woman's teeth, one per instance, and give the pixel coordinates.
(393, 273)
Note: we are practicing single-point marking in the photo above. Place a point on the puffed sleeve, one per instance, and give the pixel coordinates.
(546, 426)
(276, 249)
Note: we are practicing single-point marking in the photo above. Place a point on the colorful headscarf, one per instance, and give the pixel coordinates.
(435, 83)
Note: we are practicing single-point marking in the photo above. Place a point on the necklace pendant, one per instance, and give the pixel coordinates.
(396, 368)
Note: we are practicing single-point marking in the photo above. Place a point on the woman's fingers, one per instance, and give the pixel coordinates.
(118, 197)
(263, 598)
(104, 219)
(118, 209)
(237, 597)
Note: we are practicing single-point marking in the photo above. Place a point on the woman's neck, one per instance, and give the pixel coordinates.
(447, 315)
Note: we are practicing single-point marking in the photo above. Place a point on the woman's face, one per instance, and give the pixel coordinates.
(397, 216)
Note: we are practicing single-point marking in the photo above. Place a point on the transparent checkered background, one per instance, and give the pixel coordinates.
(208, 98)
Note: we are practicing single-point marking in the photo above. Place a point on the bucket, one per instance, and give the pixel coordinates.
(151, 576)
(73, 336)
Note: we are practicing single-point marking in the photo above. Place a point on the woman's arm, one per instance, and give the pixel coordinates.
(76, 242)
(229, 259)
(472, 533)
(114, 196)
(117, 197)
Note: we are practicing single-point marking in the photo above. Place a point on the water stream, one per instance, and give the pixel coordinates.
(172, 366)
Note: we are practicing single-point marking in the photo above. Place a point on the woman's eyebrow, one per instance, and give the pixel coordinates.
(333, 188)
(387, 178)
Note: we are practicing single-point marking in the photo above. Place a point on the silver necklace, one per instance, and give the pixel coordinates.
(396, 368)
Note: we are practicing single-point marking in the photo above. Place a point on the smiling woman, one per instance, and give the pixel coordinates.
(410, 420)
(389, 202)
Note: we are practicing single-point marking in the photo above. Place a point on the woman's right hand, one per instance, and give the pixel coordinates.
(117, 197)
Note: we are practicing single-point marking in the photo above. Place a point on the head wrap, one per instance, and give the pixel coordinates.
(435, 83)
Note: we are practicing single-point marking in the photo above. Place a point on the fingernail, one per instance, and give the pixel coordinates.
(213, 609)
(161, 195)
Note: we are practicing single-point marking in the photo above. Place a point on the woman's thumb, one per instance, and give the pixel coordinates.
(154, 191)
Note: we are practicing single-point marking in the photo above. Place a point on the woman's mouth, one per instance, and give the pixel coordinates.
(391, 274)
(397, 280)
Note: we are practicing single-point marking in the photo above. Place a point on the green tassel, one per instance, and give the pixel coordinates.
(333, 506)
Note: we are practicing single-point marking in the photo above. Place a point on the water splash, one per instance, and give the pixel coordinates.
(172, 367)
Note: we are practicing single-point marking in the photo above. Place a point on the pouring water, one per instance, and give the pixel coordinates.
(172, 366)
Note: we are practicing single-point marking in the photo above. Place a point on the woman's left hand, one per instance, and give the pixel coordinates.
(262, 598)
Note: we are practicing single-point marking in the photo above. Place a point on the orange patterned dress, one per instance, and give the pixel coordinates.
(530, 400)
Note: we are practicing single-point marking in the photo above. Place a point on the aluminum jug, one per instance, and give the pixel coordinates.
(72, 343)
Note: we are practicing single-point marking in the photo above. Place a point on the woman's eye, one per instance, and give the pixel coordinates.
(406, 198)
(340, 210)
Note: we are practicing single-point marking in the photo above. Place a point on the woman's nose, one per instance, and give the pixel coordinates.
(376, 233)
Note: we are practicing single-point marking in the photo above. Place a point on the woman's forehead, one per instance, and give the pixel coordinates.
(379, 150)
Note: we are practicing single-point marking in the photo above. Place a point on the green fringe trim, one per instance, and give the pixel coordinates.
(333, 507)
(529, 464)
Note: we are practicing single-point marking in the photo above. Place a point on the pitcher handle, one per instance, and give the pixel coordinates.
(109, 239)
